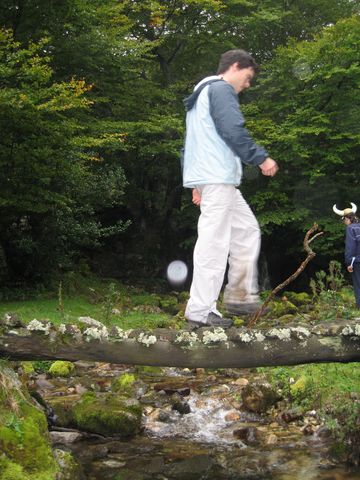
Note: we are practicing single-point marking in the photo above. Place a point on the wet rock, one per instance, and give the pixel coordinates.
(194, 468)
(272, 439)
(249, 435)
(232, 417)
(65, 438)
(90, 453)
(42, 383)
(155, 399)
(165, 417)
(83, 367)
(69, 468)
(171, 388)
(323, 432)
(112, 464)
(308, 429)
(258, 397)
(252, 417)
(220, 391)
(103, 369)
(103, 384)
(80, 389)
(290, 415)
(241, 382)
(180, 405)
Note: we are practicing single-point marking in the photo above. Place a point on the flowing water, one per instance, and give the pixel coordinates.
(202, 444)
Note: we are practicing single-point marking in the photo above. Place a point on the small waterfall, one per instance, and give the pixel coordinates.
(205, 423)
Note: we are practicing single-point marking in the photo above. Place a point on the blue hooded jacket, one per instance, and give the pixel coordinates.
(216, 138)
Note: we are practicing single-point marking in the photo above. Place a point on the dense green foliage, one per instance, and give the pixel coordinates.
(91, 118)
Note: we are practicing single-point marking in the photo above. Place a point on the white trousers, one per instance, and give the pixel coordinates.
(227, 230)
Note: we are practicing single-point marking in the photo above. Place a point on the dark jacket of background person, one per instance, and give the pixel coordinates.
(352, 244)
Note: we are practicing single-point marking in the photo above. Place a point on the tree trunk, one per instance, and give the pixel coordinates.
(236, 348)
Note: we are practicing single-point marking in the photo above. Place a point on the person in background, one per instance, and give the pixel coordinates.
(352, 246)
(216, 144)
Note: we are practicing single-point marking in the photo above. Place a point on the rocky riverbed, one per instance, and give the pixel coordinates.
(128, 423)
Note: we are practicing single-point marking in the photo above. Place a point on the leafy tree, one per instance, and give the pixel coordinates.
(306, 113)
(49, 193)
(140, 59)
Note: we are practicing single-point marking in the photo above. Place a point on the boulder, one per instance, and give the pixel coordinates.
(258, 397)
(248, 435)
(107, 415)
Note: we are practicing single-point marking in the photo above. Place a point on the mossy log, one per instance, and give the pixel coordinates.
(213, 347)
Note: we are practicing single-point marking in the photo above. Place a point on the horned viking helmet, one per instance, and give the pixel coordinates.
(342, 213)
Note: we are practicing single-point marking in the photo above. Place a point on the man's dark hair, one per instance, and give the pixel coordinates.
(242, 58)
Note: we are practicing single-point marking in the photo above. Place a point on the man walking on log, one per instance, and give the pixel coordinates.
(216, 143)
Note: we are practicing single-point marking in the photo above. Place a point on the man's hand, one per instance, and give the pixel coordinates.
(350, 269)
(196, 197)
(269, 167)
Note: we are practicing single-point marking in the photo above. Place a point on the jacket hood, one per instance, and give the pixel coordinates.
(190, 101)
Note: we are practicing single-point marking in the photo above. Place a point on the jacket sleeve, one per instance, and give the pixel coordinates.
(350, 245)
(230, 124)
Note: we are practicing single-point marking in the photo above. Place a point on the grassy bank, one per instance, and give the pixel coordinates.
(332, 391)
(105, 300)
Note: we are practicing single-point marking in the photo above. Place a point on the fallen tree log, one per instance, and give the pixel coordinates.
(213, 347)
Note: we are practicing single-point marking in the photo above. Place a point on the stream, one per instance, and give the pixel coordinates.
(216, 439)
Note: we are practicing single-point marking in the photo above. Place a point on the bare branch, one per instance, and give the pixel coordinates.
(311, 255)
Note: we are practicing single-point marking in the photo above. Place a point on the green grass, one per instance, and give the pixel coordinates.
(81, 296)
(320, 384)
(49, 309)
(328, 388)
(80, 307)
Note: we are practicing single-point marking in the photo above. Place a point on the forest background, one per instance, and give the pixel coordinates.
(92, 122)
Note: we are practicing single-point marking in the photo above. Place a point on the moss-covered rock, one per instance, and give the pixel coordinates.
(63, 408)
(11, 471)
(27, 367)
(108, 414)
(24, 438)
(61, 368)
(69, 468)
(124, 383)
